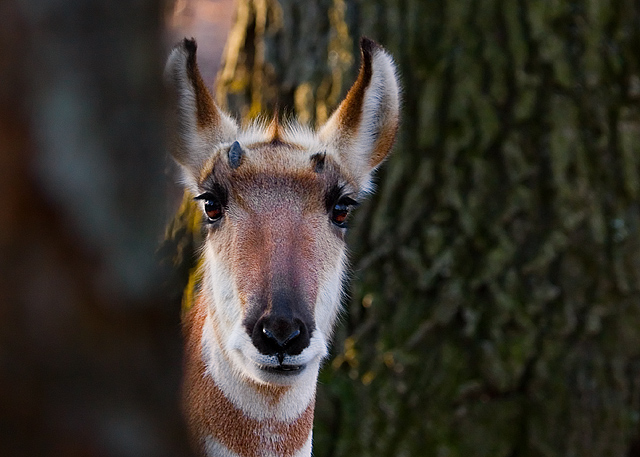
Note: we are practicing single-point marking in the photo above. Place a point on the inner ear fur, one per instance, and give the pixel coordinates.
(364, 126)
(200, 126)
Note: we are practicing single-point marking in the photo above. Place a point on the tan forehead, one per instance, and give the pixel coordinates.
(278, 156)
(277, 187)
(264, 157)
(273, 172)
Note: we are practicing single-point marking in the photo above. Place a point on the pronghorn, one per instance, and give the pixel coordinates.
(275, 200)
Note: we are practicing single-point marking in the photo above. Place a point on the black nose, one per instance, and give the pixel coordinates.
(276, 335)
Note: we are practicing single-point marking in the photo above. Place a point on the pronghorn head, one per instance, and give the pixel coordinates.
(275, 200)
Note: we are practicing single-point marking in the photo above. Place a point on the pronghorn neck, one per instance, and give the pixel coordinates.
(233, 415)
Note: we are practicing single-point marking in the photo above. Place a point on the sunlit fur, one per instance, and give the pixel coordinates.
(276, 234)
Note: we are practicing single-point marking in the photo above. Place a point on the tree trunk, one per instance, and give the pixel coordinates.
(495, 304)
(89, 346)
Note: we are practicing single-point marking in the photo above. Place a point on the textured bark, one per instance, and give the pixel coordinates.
(495, 304)
(89, 346)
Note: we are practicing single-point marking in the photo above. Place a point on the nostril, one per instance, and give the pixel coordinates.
(293, 335)
(280, 340)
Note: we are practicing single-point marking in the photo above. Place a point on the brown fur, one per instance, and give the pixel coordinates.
(386, 138)
(210, 413)
(274, 130)
(269, 238)
(351, 107)
(206, 111)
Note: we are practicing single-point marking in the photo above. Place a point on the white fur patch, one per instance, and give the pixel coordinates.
(231, 376)
(330, 298)
(214, 449)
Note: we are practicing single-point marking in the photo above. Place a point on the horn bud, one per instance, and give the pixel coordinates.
(235, 155)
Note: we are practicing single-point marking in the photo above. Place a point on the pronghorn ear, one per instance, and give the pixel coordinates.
(364, 126)
(199, 125)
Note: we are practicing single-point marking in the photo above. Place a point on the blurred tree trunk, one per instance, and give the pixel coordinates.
(495, 309)
(89, 348)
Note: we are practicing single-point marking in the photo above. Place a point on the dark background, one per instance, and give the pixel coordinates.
(495, 303)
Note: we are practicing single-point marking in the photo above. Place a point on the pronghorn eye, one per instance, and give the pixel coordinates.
(212, 207)
(341, 210)
(213, 210)
(339, 215)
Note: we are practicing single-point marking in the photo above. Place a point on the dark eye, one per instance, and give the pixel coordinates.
(212, 207)
(213, 210)
(341, 210)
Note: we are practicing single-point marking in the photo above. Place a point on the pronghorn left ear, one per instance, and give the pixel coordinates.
(364, 126)
(200, 125)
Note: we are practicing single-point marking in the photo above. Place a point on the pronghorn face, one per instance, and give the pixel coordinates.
(274, 253)
(275, 200)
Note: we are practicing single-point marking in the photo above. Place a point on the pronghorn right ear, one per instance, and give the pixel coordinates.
(199, 125)
(364, 126)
